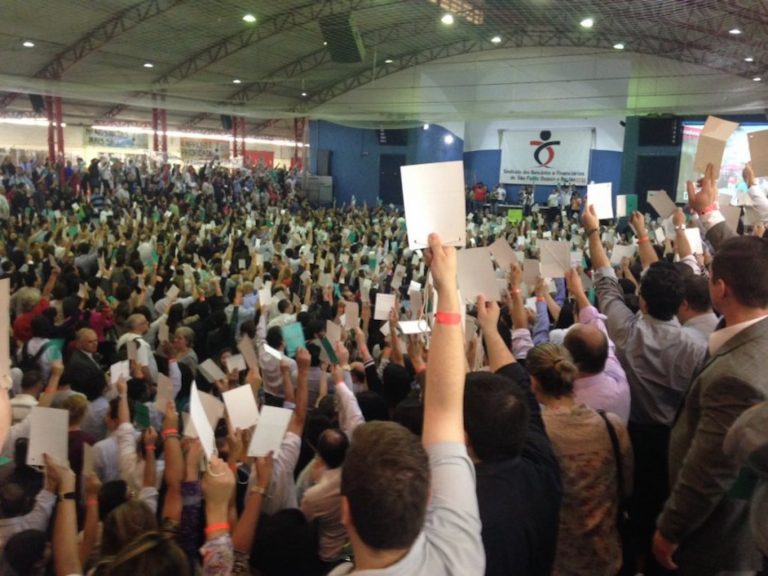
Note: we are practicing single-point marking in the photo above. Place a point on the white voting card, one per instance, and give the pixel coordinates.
(555, 258)
(476, 275)
(503, 253)
(199, 420)
(241, 407)
(662, 203)
(599, 196)
(384, 304)
(711, 145)
(433, 196)
(48, 434)
(273, 423)
(758, 151)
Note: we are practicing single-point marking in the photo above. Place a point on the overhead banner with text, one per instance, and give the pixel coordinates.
(545, 156)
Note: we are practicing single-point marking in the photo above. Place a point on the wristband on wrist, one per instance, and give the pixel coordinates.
(643, 239)
(259, 490)
(448, 317)
(92, 502)
(150, 447)
(67, 496)
(420, 368)
(540, 299)
(169, 431)
(681, 227)
(217, 527)
(590, 232)
(514, 290)
(711, 208)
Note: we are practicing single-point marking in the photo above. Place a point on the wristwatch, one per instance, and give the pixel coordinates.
(68, 496)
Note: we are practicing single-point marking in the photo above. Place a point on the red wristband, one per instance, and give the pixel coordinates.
(217, 527)
(643, 239)
(92, 502)
(448, 317)
(168, 431)
(150, 447)
(540, 299)
(514, 290)
(420, 368)
(711, 208)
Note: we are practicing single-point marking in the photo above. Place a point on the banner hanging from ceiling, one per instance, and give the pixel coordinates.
(545, 156)
(193, 150)
(111, 139)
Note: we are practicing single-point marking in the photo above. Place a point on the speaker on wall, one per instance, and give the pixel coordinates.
(343, 38)
(226, 122)
(38, 103)
(324, 162)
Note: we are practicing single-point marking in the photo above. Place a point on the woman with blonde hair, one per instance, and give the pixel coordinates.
(588, 538)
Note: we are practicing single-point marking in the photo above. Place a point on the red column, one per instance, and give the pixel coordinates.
(234, 136)
(59, 125)
(298, 136)
(155, 140)
(164, 127)
(242, 136)
(51, 129)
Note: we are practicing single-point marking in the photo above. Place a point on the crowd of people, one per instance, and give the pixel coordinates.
(612, 421)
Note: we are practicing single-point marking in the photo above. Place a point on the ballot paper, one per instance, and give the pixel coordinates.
(531, 272)
(88, 460)
(599, 196)
(620, 251)
(711, 145)
(164, 392)
(119, 369)
(662, 203)
(199, 421)
(758, 151)
(433, 196)
(172, 292)
(694, 239)
(293, 336)
(163, 332)
(48, 434)
(731, 215)
(265, 296)
(503, 253)
(333, 332)
(211, 371)
(273, 352)
(351, 315)
(475, 274)
(241, 407)
(273, 423)
(236, 362)
(245, 345)
(414, 327)
(384, 304)
(555, 258)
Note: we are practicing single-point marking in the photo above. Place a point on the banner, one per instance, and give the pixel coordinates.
(266, 158)
(203, 150)
(545, 156)
(110, 139)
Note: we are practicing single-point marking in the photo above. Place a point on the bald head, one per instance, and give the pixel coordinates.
(137, 323)
(87, 340)
(589, 347)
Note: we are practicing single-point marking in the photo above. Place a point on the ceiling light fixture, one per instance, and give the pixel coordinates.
(325, 43)
(304, 94)
(388, 61)
(28, 44)
(496, 39)
(619, 46)
(237, 81)
(749, 59)
(587, 22)
(148, 65)
(447, 19)
(448, 139)
(734, 31)
(250, 18)
(757, 79)
(426, 126)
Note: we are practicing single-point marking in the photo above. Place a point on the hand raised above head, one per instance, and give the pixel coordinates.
(589, 219)
(487, 314)
(443, 264)
(706, 194)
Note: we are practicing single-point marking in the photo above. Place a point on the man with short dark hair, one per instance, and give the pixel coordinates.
(659, 359)
(704, 526)
(32, 384)
(390, 480)
(695, 313)
(518, 477)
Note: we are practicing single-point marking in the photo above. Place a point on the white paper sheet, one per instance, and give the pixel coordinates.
(236, 362)
(273, 423)
(433, 196)
(120, 369)
(599, 196)
(265, 297)
(5, 324)
(531, 272)
(621, 206)
(163, 333)
(694, 239)
(333, 332)
(164, 393)
(49, 434)
(711, 145)
(503, 254)
(414, 327)
(199, 420)
(351, 315)
(273, 352)
(172, 292)
(211, 371)
(555, 258)
(245, 345)
(241, 407)
(132, 350)
(731, 215)
(758, 151)
(620, 251)
(662, 203)
(476, 275)
(384, 304)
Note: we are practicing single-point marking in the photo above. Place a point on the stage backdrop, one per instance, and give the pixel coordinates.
(545, 156)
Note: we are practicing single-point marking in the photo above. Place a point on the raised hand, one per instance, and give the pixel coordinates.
(707, 193)
(487, 315)
(443, 264)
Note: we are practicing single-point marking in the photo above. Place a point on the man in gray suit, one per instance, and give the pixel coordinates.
(704, 526)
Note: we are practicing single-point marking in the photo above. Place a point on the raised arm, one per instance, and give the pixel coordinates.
(443, 402)
(592, 230)
(488, 318)
(302, 393)
(647, 253)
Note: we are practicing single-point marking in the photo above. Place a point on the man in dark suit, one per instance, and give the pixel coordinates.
(704, 526)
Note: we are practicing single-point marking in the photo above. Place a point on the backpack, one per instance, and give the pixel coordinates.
(28, 362)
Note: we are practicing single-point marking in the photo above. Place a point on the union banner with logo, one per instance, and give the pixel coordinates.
(546, 156)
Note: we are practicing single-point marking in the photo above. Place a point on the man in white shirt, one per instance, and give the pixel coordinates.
(138, 326)
(32, 385)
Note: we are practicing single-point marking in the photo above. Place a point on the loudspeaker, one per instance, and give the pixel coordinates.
(344, 41)
(226, 122)
(38, 103)
(324, 162)
(659, 132)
